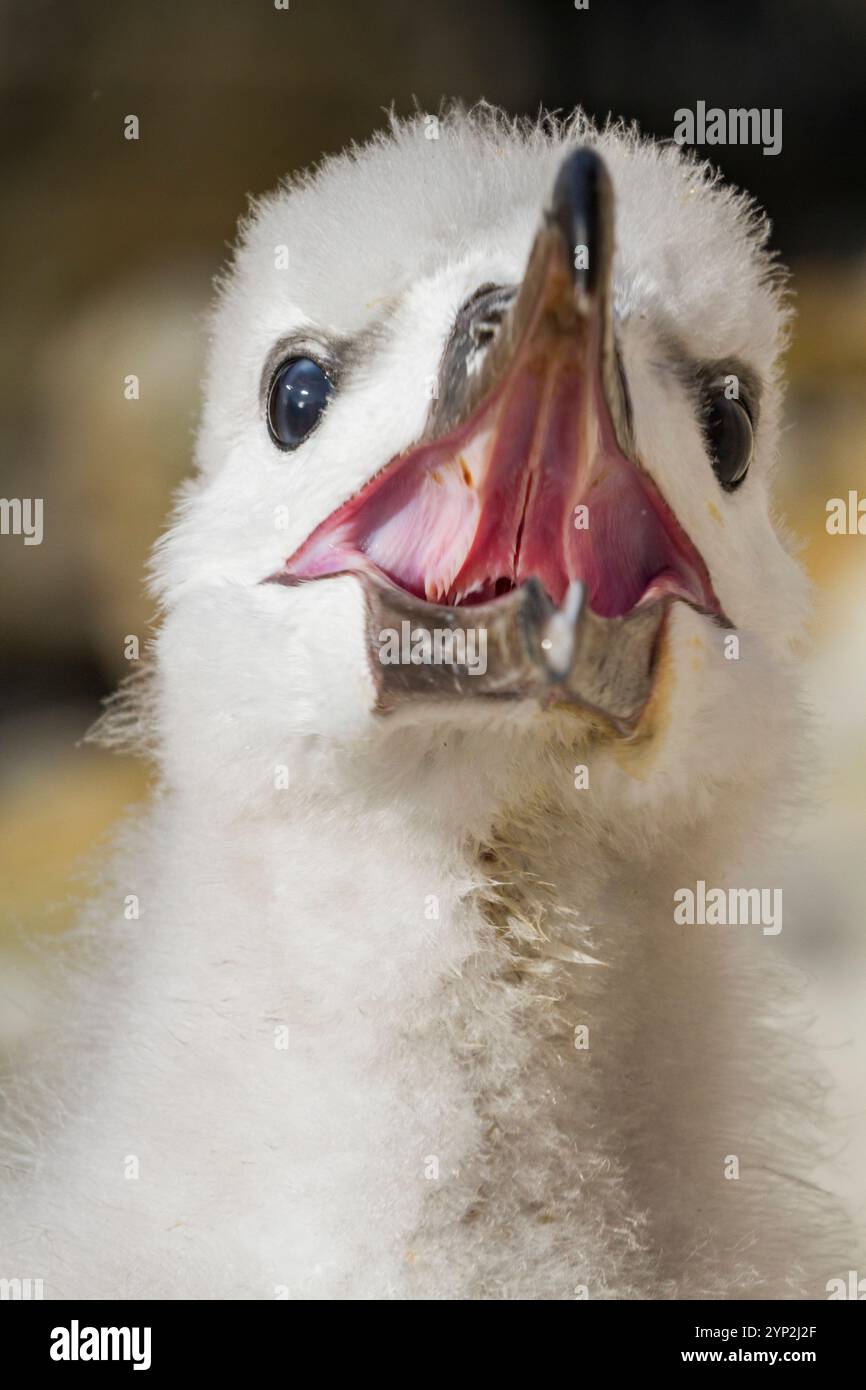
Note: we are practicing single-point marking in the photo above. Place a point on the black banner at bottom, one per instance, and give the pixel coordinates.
(156, 1339)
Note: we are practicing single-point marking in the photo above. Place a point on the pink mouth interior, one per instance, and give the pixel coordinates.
(470, 516)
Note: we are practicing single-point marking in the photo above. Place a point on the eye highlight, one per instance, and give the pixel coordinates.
(297, 396)
(730, 437)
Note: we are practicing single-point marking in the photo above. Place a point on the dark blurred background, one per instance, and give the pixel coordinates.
(108, 248)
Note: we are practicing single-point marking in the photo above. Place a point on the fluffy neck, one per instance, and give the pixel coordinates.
(362, 1045)
(494, 1027)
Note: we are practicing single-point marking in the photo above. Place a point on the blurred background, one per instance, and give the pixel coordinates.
(108, 248)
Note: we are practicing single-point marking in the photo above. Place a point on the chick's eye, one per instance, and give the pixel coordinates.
(297, 396)
(728, 431)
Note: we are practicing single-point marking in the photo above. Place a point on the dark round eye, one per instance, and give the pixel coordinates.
(728, 430)
(297, 396)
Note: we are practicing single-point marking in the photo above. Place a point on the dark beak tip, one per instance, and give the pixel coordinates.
(581, 209)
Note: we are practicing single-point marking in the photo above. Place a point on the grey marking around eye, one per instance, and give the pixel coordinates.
(699, 377)
(304, 344)
(338, 356)
(712, 375)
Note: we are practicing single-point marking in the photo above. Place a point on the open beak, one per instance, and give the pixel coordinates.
(523, 512)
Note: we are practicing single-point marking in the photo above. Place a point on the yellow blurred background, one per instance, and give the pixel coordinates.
(109, 247)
